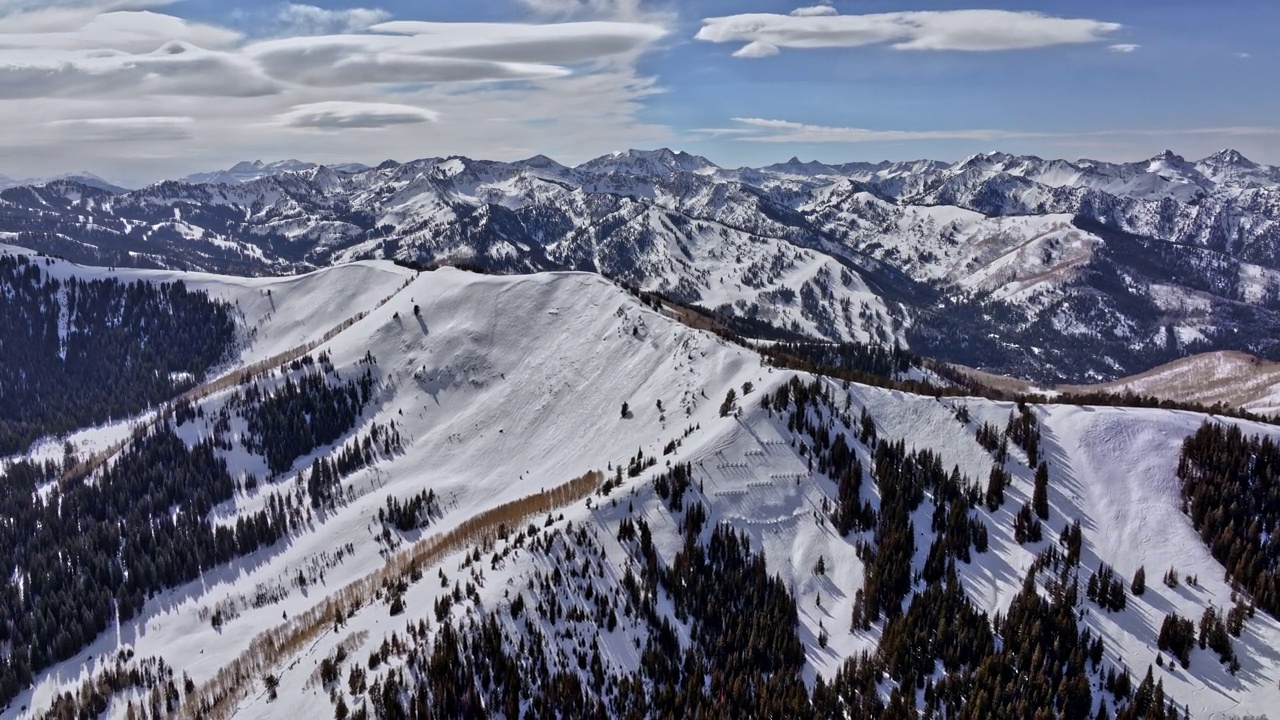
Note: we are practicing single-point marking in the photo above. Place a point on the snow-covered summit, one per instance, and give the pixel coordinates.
(648, 163)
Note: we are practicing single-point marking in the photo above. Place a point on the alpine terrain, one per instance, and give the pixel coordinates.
(377, 491)
(1050, 270)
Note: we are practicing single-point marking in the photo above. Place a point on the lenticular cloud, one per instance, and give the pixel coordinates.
(764, 34)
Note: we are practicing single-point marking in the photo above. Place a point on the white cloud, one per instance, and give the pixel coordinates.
(175, 68)
(341, 115)
(128, 129)
(784, 131)
(93, 27)
(1124, 48)
(756, 49)
(615, 9)
(814, 11)
(418, 52)
(126, 89)
(348, 60)
(1243, 55)
(969, 30)
(298, 19)
(517, 42)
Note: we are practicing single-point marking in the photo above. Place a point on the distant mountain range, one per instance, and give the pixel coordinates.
(247, 171)
(1050, 269)
(83, 178)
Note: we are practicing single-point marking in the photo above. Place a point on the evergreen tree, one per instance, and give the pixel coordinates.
(1040, 495)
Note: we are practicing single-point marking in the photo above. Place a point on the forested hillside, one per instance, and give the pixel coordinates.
(80, 555)
(76, 352)
(1231, 488)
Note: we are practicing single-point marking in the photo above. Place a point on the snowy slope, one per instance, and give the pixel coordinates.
(276, 313)
(507, 385)
(1236, 379)
(474, 380)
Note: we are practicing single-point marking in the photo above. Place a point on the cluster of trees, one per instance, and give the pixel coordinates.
(76, 352)
(1027, 528)
(743, 624)
(1231, 489)
(671, 486)
(301, 415)
(902, 478)
(1106, 588)
(1024, 431)
(1040, 491)
(79, 558)
(997, 481)
(1177, 637)
(411, 514)
(637, 464)
(843, 466)
(1215, 636)
(150, 677)
(323, 482)
(876, 359)
(990, 437)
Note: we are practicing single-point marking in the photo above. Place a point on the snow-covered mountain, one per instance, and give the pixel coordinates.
(247, 171)
(1231, 378)
(1061, 270)
(498, 597)
(81, 178)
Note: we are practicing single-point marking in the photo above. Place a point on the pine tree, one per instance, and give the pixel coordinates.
(730, 403)
(1040, 497)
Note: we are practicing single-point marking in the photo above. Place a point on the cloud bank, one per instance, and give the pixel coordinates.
(762, 130)
(340, 115)
(765, 34)
(132, 89)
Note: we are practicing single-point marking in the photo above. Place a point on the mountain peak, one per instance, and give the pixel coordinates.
(799, 167)
(246, 171)
(1170, 156)
(983, 160)
(541, 162)
(661, 161)
(1229, 157)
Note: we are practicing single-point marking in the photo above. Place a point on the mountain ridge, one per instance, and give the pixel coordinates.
(470, 367)
(1122, 266)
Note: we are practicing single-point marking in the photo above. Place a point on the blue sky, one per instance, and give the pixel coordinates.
(140, 89)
